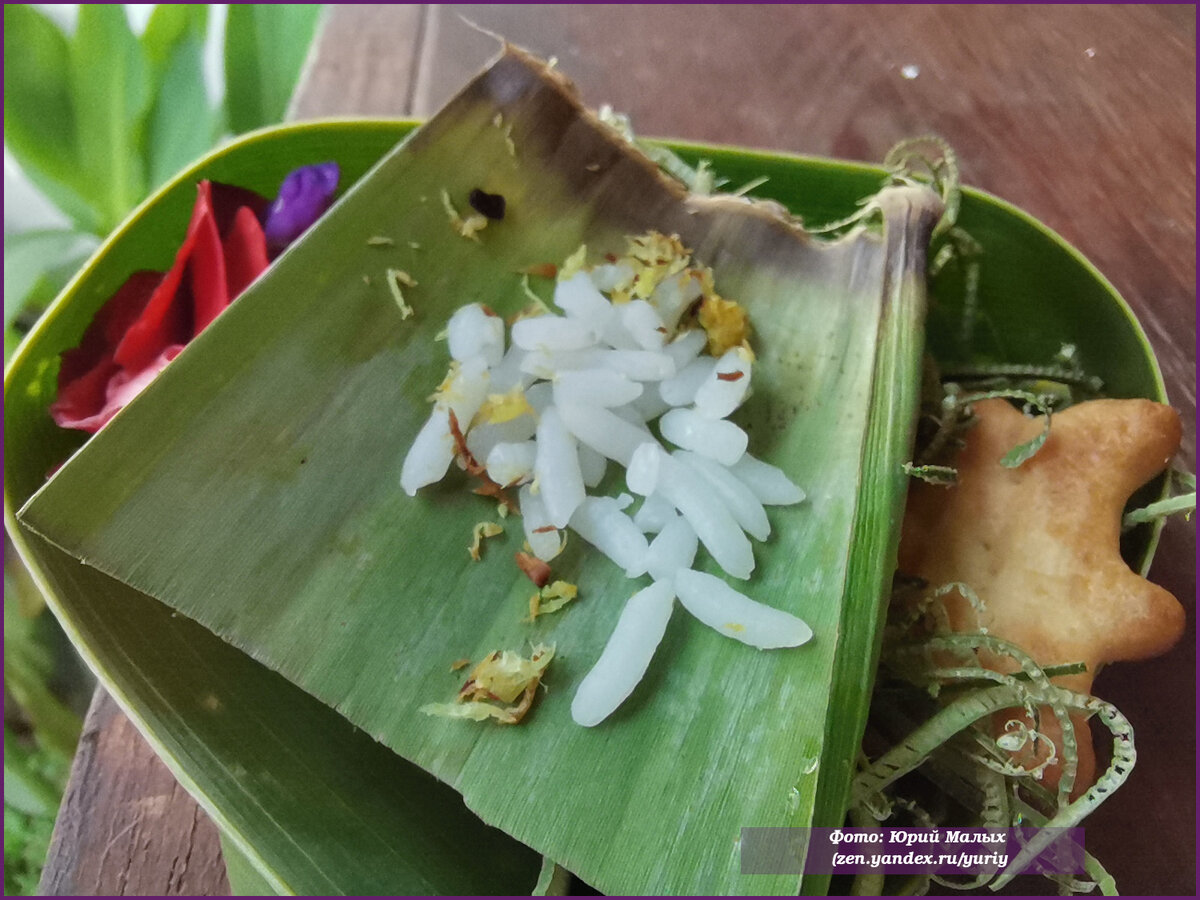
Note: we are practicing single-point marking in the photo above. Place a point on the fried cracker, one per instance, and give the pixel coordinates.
(1040, 543)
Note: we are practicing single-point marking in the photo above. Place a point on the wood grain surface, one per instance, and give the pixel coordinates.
(126, 826)
(1082, 115)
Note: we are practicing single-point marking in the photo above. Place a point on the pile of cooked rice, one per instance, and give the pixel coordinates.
(642, 340)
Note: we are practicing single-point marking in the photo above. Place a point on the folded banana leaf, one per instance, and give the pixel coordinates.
(254, 488)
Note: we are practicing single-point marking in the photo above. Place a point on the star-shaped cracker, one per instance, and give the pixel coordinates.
(1040, 543)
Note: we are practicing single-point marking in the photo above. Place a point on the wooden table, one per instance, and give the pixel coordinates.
(1084, 116)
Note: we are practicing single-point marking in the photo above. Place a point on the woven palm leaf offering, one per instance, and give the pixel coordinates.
(531, 513)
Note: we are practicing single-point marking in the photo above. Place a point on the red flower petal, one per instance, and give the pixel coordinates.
(123, 386)
(245, 249)
(228, 200)
(164, 322)
(82, 395)
(109, 324)
(206, 274)
(152, 316)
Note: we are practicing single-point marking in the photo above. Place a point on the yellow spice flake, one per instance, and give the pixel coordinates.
(726, 324)
(500, 679)
(478, 533)
(443, 390)
(573, 263)
(468, 227)
(551, 598)
(500, 408)
(655, 256)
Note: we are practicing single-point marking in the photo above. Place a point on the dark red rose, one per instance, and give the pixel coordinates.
(147, 323)
(152, 317)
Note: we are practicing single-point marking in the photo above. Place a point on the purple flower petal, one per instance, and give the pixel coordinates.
(303, 198)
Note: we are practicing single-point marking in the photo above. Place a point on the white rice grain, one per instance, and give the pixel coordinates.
(472, 331)
(595, 387)
(601, 522)
(547, 364)
(719, 396)
(511, 462)
(582, 302)
(626, 656)
(608, 276)
(766, 482)
(545, 544)
(467, 390)
(655, 513)
(686, 347)
(640, 365)
(430, 454)
(552, 334)
(641, 475)
(709, 517)
(486, 435)
(718, 439)
(680, 389)
(735, 615)
(673, 549)
(642, 323)
(592, 465)
(605, 432)
(557, 469)
(747, 511)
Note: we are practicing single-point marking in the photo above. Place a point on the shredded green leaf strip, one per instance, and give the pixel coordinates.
(1184, 503)
(956, 754)
(1022, 452)
(943, 475)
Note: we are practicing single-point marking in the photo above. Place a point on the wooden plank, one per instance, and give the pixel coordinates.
(125, 825)
(364, 63)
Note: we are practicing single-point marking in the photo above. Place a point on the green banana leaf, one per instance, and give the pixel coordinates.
(281, 433)
(317, 805)
(311, 347)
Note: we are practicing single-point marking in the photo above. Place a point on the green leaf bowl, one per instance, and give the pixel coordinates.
(311, 804)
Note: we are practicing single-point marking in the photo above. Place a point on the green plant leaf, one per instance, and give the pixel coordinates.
(26, 787)
(30, 255)
(169, 25)
(39, 118)
(36, 266)
(181, 124)
(110, 93)
(301, 548)
(31, 643)
(265, 48)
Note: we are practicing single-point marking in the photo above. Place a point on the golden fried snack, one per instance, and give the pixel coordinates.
(1040, 543)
